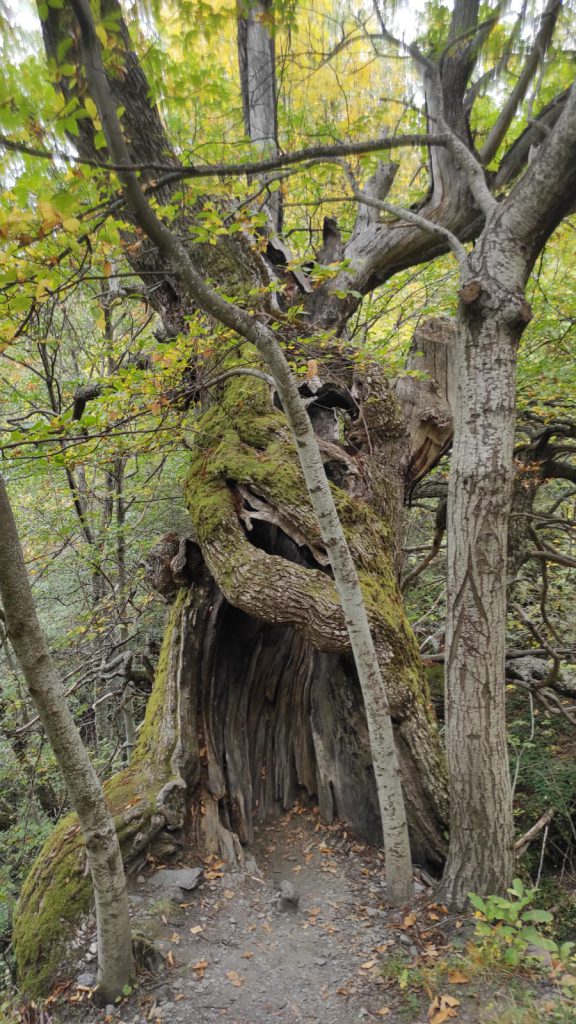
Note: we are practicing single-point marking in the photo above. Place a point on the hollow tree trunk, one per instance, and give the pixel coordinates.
(259, 574)
(256, 701)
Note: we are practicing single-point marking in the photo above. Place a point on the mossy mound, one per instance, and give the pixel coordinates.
(57, 892)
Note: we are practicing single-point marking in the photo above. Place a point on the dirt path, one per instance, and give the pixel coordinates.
(238, 952)
(245, 955)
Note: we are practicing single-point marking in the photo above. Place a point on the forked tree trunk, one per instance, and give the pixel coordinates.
(493, 314)
(115, 962)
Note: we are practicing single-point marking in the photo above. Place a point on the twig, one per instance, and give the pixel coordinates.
(521, 845)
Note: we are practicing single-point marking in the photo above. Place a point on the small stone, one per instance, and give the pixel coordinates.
(371, 911)
(93, 948)
(141, 879)
(288, 898)
(86, 979)
(183, 878)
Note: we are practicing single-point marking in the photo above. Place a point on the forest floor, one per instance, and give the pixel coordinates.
(328, 952)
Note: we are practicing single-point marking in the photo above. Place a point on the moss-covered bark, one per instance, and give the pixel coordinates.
(144, 798)
(245, 449)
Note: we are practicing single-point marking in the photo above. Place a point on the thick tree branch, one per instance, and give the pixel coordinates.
(411, 218)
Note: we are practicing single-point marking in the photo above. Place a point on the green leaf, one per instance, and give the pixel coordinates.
(539, 916)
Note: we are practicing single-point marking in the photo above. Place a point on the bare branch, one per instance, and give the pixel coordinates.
(533, 61)
(244, 167)
(408, 215)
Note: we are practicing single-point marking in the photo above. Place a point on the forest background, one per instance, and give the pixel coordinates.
(97, 426)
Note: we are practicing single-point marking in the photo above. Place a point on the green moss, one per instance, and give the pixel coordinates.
(58, 892)
(245, 440)
(148, 752)
(55, 895)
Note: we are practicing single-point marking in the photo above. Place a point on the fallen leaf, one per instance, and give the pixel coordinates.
(442, 1008)
(368, 965)
(247, 955)
(170, 958)
(197, 929)
(228, 894)
(235, 978)
(457, 978)
(384, 1011)
(200, 967)
(568, 979)
(409, 920)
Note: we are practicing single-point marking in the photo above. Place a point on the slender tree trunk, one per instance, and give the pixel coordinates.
(115, 963)
(122, 577)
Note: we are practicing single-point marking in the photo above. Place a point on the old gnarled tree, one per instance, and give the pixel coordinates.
(257, 646)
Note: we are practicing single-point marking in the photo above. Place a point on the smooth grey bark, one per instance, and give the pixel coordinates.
(115, 961)
(385, 760)
(257, 63)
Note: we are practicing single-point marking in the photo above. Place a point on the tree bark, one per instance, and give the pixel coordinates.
(493, 313)
(115, 963)
(481, 828)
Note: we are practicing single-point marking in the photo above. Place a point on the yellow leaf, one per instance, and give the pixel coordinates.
(71, 224)
(42, 287)
(90, 105)
(409, 920)
(384, 1011)
(200, 968)
(235, 978)
(101, 33)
